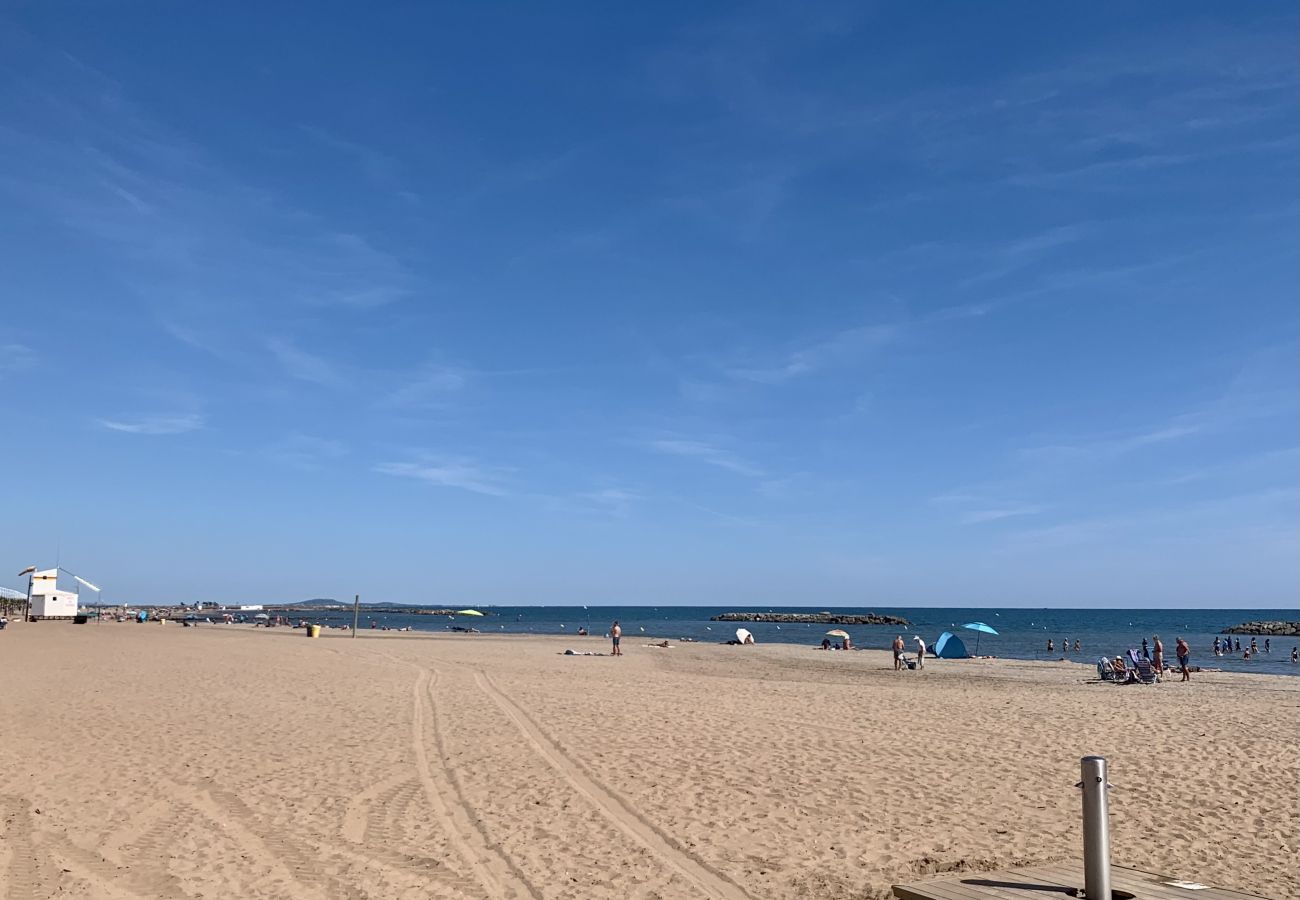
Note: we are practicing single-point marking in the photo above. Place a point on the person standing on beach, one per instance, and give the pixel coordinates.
(920, 652)
(1184, 658)
(898, 653)
(616, 635)
(1158, 659)
(1146, 651)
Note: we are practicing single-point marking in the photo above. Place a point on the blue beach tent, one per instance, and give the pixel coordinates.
(949, 646)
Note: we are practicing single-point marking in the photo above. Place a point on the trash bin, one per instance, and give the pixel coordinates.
(313, 631)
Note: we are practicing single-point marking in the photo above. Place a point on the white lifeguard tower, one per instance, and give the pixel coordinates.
(48, 602)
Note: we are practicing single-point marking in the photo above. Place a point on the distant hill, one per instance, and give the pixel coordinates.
(327, 601)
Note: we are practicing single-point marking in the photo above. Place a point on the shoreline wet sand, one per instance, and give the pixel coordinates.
(155, 761)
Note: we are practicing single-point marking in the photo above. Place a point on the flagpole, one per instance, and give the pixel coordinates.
(356, 612)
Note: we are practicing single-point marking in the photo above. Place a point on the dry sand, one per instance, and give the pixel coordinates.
(152, 761)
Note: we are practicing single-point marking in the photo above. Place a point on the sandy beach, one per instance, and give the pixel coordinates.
(153, 761)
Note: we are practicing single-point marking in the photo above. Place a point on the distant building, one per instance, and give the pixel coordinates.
(48, 602)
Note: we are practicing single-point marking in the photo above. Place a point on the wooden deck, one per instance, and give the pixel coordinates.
(1056, 882)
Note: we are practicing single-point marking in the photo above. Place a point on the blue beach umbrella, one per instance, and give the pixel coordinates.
(981, 629)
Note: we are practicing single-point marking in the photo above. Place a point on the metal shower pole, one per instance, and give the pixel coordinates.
(1096, 828)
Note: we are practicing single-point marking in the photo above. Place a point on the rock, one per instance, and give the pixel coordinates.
(821, 618)
(1268, 629)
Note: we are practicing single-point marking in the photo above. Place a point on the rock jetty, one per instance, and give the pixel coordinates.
(1285, 629)
(821, 618)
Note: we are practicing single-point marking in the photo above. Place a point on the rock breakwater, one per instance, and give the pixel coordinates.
(821, 618)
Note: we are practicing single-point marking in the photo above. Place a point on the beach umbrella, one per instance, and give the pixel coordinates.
(838, 632)
(981, 629)
(468, 612)
(261, 616)
(743, 635)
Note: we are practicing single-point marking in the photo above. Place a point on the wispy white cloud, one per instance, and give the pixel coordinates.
(461, 473)
(707, 453)
(380, 169)
(1116, 444)
(193, 239)
(154, 425)
(16, 358)
(614, 500)
(1019, 254)
(978, 516)
(430, 386)
(975, 508)
(1269, 509)
(1261, 389)
(847, 347)
(1112, 111)
(306, 452)
(304, 366)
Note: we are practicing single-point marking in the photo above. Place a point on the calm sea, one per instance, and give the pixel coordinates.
(1022, 633)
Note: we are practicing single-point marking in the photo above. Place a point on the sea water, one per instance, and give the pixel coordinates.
(1022, 633)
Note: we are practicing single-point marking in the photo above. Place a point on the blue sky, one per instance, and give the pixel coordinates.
(862, 304)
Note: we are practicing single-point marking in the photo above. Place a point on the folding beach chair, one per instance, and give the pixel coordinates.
(1106, 671)
(1147, 672)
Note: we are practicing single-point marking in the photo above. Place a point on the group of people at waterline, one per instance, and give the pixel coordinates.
(1154, 651)
(1233, 645)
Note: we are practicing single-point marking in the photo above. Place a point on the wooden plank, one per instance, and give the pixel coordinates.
(1046, 887)
(996, 885)
(1129, 873)
(1054, 881)
(1143, 885)
(1146, 884)
(931, 890)
(952, 889)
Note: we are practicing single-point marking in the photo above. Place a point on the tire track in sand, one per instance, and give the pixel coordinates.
(388, 845)
(618, 810)
(38, 862)
(141, 822)
(27, 875)
(304, 867)
(356, 818)
(495, 871)
(109, 881)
